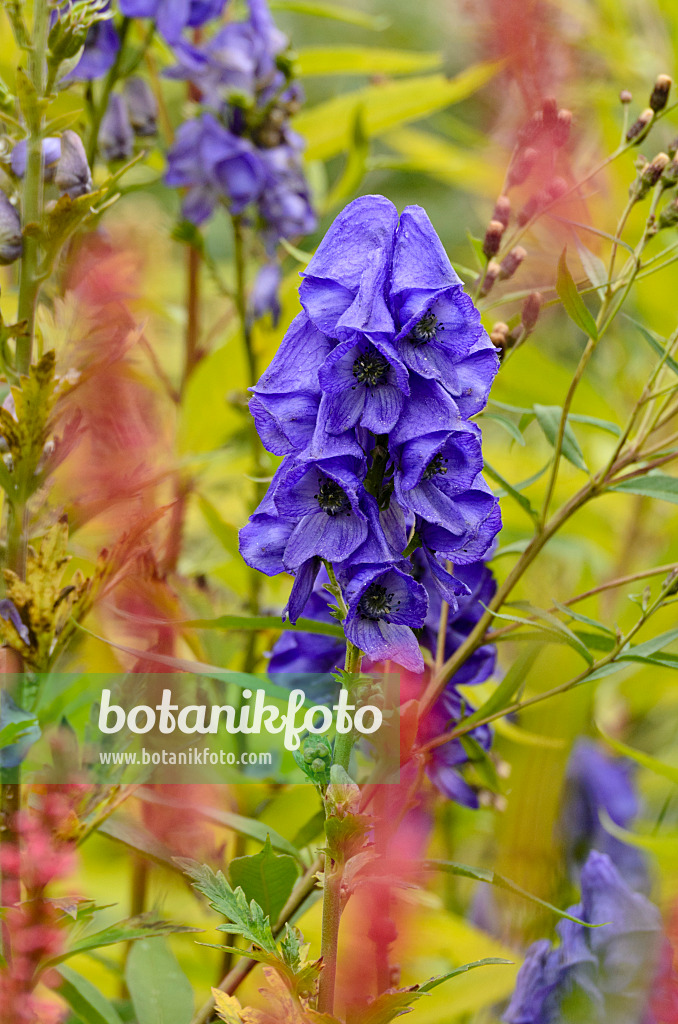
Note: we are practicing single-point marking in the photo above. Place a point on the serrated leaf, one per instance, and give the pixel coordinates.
(327, 126)
(572, 301)
(548, 418)
(366, 60)
(654, 485)
(86, 1001)
(667, 771)
(160, 991)
(246, 919)
(266, 877)
(227, 1007)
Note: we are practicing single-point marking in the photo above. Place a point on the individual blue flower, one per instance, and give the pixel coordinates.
(435, 469)
(597, 782)
(73, 177)
(285, 206)
(364, 383)
(384, 605)
(116, 137)
(142, 106)
(51, 151)
(469, 535)
(213, 164)
(11, 237)
(595, 974)
(323, 500)
(173, 16)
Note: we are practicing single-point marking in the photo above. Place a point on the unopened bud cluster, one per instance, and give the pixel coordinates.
(504, 338)
(658, 100)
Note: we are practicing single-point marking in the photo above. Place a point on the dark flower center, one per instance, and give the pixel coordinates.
(426, 330)
(436, 467)
(370, 368)
(332, 499)
(376, 602)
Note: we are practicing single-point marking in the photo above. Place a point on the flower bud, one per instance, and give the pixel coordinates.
(11, 240)
(492, 239)
(672, 147)
(511, 262)
(649, 176)
(521, 167)
(499, 337)
(142, 107)
(51, 151)
(670, 173)
(549, 110)
(561, 129)
(625, 96)
(528, 211)
(660, 93)
(116, 138)
(487, 280)
(555, 189)
(502, 210)
(640, 127)
(73, 177)
(530, 311)
(531, 130)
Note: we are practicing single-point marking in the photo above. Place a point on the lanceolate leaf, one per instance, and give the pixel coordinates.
(492, 878)
(135, 928)
(160, 991)
(86, 1001)
(428, 986)
(257, 622)
(512, 681)
(572, 300)
(654, 485)
(548, 417)
(336, 12)
(366, 60)
(668, 771)
(327, 127)
(656, 343)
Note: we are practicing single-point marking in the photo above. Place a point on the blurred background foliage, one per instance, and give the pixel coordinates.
(421, 102)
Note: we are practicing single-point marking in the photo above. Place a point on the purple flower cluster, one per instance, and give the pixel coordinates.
(240, 149)
(595, 975)
(368, 400)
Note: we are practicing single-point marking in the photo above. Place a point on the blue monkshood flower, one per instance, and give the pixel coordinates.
(73, 177)
(173, 16)
(467, 537)
(102, 44)
(597, 782)
(435, 469)
(595, 975)
(213, 164)
(364, 383)
(142, 106)
(11, 238)
(116, 137)
(285, 203)
(384, 605)
(51, 151)
(323, 500)
(239, 59)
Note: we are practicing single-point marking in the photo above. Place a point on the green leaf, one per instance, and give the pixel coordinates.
(578, 617)
(226, 534)
(258, 622)
(327, 126)
(482, 762)
(593, 421)
(356, 163)
(364, 60)
(267, 877)
(654, 485)
(423, 152)
(500, 882)
(502, 695)
(667, 771)
(86, 1001)
(511, 491)
(334, 11)
(656, 343)
(572, 300)
(245, 919)
(644, 650)
(428, 986)
(660, 846)
(594, 268)
(509, 426)
(145, 926)
(552, 623)
(160, 991)
(548, 418)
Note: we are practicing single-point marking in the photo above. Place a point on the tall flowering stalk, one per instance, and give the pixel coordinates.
(368, 400)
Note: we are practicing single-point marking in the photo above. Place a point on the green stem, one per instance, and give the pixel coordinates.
(330, 936)
(343, 744)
